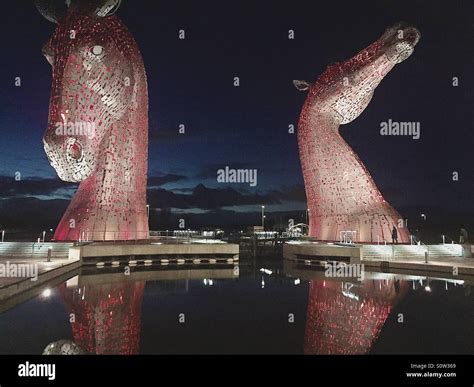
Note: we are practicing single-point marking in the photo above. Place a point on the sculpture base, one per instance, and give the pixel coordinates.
(159, 250)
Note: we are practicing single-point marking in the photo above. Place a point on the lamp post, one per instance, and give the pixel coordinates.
(422, 227)
(263, 217)
(307, 216)
(148, 218)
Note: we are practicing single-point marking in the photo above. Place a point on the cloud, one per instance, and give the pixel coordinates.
(210, 171)
(155, 181)
(36, 203)
(164, 135)
(9, 187)
(207, 198)
(214, 198)
(28, 213)
(293, 193)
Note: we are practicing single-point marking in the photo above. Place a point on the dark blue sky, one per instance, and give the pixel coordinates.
(191, 83)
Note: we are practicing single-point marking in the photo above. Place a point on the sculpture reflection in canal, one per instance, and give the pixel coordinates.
(342, 317)
(346, 318)
(106, 318)
(105, 310)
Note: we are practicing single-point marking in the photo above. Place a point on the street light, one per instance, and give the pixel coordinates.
(148, 218)
(423, 216)
(263, 217)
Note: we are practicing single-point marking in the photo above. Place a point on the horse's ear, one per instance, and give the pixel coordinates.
(52, 10)
(107, 8)
(301, 85)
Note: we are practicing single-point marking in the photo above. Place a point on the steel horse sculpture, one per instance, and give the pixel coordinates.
(341, 194)
(97, 133)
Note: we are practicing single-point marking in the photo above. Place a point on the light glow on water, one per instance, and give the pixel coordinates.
(46, 293)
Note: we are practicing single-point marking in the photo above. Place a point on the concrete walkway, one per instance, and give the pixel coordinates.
(19, 274)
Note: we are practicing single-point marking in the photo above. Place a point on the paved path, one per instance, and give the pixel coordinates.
(12, 284)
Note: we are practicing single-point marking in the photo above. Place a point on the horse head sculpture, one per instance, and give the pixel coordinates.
(97, 133)
(341, 194)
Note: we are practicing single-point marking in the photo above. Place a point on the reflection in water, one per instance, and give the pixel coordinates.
(63, 347)
(105, 318)
(104, 311)
(346, 318)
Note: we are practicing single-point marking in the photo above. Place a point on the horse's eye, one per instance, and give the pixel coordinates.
(97, 50)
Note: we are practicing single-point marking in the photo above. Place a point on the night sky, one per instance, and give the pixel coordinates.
(191, 82)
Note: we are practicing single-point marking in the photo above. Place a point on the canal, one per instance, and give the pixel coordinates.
(258, 307)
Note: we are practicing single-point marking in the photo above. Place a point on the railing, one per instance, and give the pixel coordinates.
(25, 236)
(444, 236)
(90, 236)
(266, 234)
(188, 233)
(291, 234)
(417, 252)
(383, 241)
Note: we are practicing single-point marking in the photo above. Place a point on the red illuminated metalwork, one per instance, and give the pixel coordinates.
(97, 132)
(106, 319)
(347, 320)
(341, 194)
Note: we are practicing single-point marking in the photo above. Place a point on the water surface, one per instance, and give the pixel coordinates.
(247, 309)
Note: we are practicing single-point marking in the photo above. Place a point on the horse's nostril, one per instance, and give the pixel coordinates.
(412, 35)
